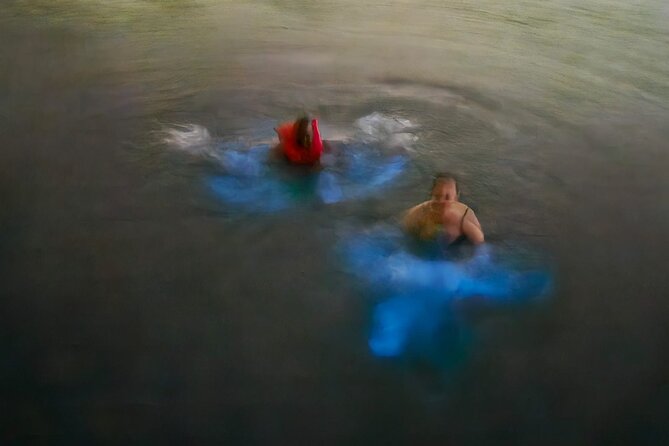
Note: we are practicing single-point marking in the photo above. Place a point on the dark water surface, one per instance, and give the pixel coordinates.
(137, 309)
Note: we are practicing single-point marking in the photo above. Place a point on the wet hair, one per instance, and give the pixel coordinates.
(442, 177)
(302, 134)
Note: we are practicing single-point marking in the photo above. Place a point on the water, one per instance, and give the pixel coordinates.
(138, 308)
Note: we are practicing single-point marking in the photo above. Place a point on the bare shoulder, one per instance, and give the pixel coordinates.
(414, 217)
(470, 215)
(468, 210)
(418, 208)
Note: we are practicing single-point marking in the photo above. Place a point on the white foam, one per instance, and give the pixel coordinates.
(190, 138)
(388, 130)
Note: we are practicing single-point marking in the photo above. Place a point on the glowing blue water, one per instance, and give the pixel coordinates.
(252, 182)
(417, 311)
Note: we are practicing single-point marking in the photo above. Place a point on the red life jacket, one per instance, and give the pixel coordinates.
(296, 154)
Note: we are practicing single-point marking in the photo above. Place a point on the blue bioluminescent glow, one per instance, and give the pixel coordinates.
(417, 298)
(252, 194)
(254, 183)
(370, 158)
(420, 327)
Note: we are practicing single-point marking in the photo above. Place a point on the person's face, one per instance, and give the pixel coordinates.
(444, 192)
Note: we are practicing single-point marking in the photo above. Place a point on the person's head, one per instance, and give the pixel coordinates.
(303, 134)
(444, 188)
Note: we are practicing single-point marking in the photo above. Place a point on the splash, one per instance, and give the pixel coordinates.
(252, 180)
(389, 131)
(189, 138)
(418, 298)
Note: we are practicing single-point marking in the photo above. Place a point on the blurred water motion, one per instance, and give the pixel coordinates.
(418, 297)
(254, 179)
(138, 306)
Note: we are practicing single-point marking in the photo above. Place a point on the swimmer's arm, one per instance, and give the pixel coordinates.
(471, 216)
(471, 228)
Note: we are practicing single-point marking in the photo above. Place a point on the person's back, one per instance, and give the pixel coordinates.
(297, 144)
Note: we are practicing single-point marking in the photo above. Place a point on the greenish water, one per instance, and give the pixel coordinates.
(136, 309)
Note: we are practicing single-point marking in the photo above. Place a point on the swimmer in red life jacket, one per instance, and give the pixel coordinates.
(443, 215)
(300, 141)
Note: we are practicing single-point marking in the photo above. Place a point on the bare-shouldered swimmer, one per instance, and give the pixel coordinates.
(443, 215)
